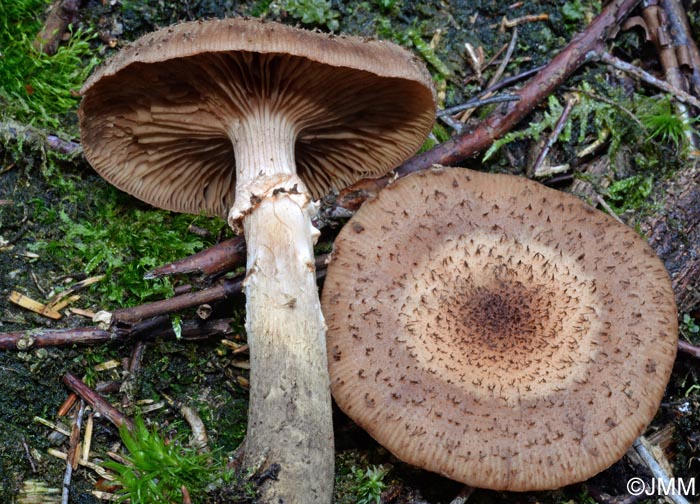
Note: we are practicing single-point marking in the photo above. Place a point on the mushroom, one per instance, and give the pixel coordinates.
(252, 119)
(495, 331)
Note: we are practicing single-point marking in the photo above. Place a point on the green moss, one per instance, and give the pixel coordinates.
(106, 235)
(664, 124)
(630, 193)
(310, 12)
(690, 329)
(36, 88)
(157, 468)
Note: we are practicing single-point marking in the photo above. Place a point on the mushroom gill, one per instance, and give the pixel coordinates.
(253, 119)
(495, 331)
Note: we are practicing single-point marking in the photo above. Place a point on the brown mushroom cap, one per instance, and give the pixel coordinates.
(155, 118)
(495, 331)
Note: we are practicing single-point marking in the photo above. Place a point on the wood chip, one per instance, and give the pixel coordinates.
(243, 382)
(54, 426)
(237, 347)
(65, 302)
(153, 407)
(241, 364)
(105, 495)
(87, 440)
(90, 465)
(110, 364)
(83, 313)
(74, 288)
(32, 305)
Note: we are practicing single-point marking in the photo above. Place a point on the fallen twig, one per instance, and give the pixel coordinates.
(56, 300)
(554, 135)
(657, 470)
(129, 382)
(224, 256)
(101, 471)
(34, 136)
(31, 304)
(477, 102)
(199, 433)
(39, 338)
(129, 316)
(686, 49)
(87, 439)
(60, 15)
(506, 59)
(461, 147)
(73, 452)
(224, 290)
(495, 77)
(98, 403)
(530, 18)
(686, 347)
(511, 80)
(599, 199)
(29, 455)
(623, 66)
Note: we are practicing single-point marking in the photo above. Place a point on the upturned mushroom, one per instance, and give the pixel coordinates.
(495, 331)
(252, 119)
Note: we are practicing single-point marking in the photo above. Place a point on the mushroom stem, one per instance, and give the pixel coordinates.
(289, 419)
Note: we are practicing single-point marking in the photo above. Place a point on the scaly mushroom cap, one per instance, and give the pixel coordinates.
(495, 331)
(155, 118)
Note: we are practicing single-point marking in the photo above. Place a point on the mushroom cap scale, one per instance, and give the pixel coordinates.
(495, 331)
(157, 118)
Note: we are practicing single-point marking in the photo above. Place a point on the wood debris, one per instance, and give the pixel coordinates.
(33, 305)
(90, 465)
(58, 298)
(531, 18)
(82, 313)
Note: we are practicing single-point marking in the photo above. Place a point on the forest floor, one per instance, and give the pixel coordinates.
(60, 223)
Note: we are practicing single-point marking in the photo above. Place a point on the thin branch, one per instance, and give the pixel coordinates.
(501, 120)
(506, 59)
(657, 470)
(151, 328)
(61, 14)
(225, 290)
(686, 347)
(686, 49)
(601, 201)
(558, 128)
(623, 66)
(224, 256)
(32, 135)
(610, 102)
(512, 80)
(72, 455)
(477, 102)
(199, 433)
(98, 403)
(496, 76)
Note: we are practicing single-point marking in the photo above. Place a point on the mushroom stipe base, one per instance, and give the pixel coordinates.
(495, 331)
